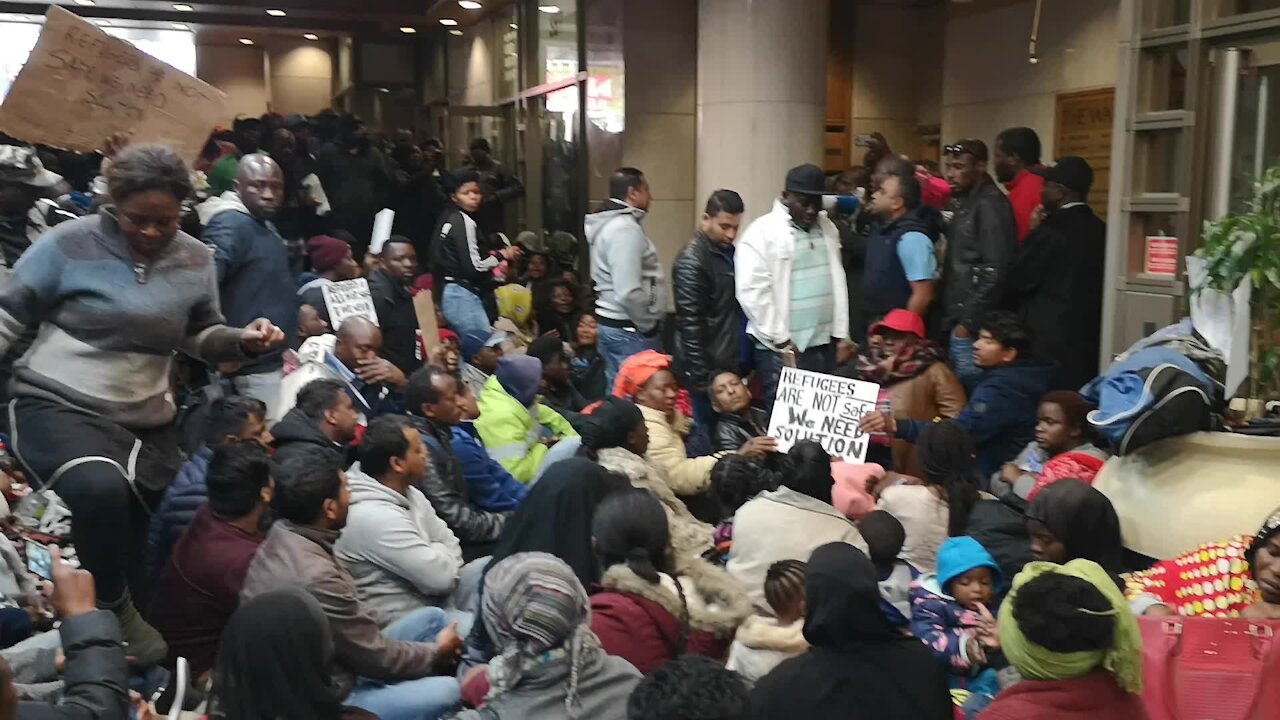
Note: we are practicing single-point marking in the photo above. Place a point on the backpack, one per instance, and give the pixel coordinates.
(1139, 407)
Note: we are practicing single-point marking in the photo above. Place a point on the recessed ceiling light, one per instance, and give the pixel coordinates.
(455, 32)
(549, 9)
(181, 26)
(384, 90)
(180, 7)
(448, 22)
(408, 30)
(311, 36)
(246, 41)
(469, 5)
(276, 12)
(86, 3)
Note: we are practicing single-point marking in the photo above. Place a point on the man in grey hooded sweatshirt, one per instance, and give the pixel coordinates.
(630, 282)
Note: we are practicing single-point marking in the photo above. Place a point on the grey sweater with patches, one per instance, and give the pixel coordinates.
(107, 329)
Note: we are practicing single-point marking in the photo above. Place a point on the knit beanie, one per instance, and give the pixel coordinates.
(326, 252)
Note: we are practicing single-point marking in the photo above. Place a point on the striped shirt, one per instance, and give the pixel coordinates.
(812, 309)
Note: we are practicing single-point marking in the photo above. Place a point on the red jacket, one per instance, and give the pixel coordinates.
(638, 621)
(1024, 197)
(1092, 697)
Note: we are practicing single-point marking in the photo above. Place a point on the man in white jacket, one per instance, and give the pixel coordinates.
(400, 554)
(791, 283)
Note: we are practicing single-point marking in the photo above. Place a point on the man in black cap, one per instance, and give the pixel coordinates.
(791, 283)
(980, 246)
(1056, 280)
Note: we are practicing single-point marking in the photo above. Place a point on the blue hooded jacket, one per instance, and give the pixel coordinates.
(190, 490)
(1001, 414)
(489, 485)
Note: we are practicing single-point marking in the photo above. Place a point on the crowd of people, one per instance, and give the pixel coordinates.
(565, 502)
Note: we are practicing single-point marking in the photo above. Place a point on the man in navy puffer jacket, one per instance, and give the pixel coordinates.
(232, 419)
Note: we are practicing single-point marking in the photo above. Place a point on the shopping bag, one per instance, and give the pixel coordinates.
(1210, 668)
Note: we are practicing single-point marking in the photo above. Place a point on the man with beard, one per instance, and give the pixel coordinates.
(253, 267)
(1016, 158)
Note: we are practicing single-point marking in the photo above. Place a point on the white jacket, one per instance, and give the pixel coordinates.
(400, 554)
(761, 644)
(311, 366)
(762, 273)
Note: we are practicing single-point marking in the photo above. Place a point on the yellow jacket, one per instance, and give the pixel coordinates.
(686, 475)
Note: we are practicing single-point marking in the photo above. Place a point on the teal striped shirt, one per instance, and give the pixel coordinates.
(812, 309)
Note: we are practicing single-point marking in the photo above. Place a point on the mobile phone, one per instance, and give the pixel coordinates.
(39, 561)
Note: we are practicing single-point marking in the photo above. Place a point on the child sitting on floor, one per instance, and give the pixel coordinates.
(949, 614)
(762, 643)
(885, 537)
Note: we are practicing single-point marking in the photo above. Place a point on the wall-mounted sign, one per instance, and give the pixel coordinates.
(1161, 256)
(1082, 127)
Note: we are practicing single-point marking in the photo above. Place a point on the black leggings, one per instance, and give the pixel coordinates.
(109, 527)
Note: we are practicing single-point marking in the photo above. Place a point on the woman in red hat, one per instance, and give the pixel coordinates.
(912, 372)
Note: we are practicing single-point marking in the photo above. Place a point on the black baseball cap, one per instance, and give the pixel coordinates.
(806, 180)
(1071, 172)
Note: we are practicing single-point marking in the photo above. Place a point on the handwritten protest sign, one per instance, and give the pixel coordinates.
(348, 299)
(80, 86)
(822, 408)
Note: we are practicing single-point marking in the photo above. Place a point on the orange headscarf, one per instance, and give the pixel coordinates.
(636, 371)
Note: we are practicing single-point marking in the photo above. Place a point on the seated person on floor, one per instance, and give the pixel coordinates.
(556, 388)
(481, 354)
(512, 419)
(323, 417)
(199, 586)
(400, 554)
(949, 613)
(1061, 450)
(489, 484)
(391, 672)
(738, 422)
(691, 686)
(587, 365)
(350, 357)
(1001, 413)
(762, 641)
(885, 538)
(435, 410)
(233, 419)
(1264, 565)
(735, 480)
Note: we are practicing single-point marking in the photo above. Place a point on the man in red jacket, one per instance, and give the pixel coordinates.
(1017, 152)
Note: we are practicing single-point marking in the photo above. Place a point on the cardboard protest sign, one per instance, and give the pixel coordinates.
(348, 299)
(80, 86)
(425, 307)
(825, 409)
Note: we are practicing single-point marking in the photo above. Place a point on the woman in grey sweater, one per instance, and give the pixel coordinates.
(114, 296)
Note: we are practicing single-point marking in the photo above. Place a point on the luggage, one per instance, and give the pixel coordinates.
(1210, 668)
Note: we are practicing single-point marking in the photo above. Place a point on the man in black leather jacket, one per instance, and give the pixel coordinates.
(709, 321)
(980, 246)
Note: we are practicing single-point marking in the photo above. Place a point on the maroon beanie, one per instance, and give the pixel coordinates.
(326, 252)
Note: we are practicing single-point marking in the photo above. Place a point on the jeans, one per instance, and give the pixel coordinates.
(616, 345)
(820, 359)
(262, 386)
(422, 699)
(464, 311)
(961, 352)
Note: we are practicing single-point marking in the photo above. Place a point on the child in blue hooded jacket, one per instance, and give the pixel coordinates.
(949, 613)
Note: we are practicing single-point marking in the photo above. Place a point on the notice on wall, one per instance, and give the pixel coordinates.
(1161, 256)
(348, 299)
(825, 409)
(80, 86)
(1084, 123)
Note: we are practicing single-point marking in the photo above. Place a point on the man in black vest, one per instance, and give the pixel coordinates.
(901, 264)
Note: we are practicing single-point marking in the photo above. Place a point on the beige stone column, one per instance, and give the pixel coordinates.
(761, 94)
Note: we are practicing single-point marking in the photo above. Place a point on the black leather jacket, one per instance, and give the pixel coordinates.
(708, 318)
(980, 246)
(732, 431)
(446, 488)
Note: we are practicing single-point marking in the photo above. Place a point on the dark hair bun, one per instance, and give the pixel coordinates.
(1051, 612)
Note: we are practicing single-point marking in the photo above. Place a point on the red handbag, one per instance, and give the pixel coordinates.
(1210, 668)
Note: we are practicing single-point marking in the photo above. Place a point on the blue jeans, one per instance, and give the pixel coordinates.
(464, 311)
(820, 359)
(618, 344)
(961, 352)
(422, 699)
(563, 450)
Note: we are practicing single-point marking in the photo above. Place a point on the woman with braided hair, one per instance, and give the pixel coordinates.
(549, 664)
(645, 613)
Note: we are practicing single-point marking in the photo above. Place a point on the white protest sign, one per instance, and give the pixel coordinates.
(347, 299)
(382, 224)
(825, 409)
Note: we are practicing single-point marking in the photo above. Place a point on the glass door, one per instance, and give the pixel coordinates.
(1246, 138)
(495, 125)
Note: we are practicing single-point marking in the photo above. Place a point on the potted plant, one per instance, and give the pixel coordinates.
(1248, 246)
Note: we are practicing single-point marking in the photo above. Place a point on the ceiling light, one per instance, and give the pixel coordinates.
(549, 9)
(181, 26)
(180, 7)
(469, 5)
(408, 30)
(455, 32)
(384, 90)
(311, 36)
(276, 12)
(246, 41)
(86, 3)
(448, 22)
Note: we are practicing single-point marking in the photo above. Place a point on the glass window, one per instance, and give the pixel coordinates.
(1162, 83)
(557, 40)
(507, 29)
(606, 95)
(1257, 136)
(1227, 8)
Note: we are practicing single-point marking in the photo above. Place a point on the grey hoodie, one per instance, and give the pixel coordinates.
(625, 267)
(400, 554)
